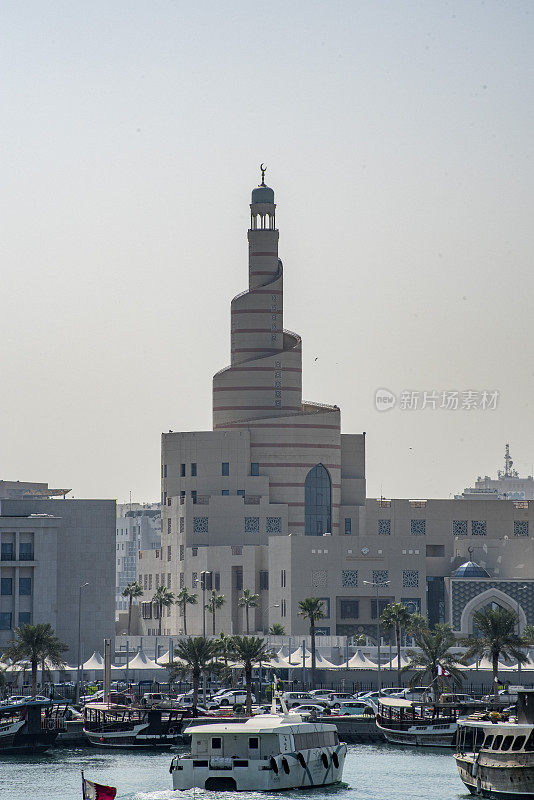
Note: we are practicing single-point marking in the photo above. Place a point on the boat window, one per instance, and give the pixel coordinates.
(497, 742)
(216, 743)
(530, 742)
(488, 741)
(253, 743)
(507, 742)
(519, 741)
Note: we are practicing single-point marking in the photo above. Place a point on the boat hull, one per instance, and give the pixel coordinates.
(132, 739)
(304, 770)
(421, 736)
(496, 779)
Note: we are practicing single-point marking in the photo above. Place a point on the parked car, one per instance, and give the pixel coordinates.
(229, 698)
(200, 712)
(311, 709)
(504, 696)
(412, 694)
(296, 698)
(452, 697)
(335, 699)
(355, 708)
(97, 697)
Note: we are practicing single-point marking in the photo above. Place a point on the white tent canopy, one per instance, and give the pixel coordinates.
(322, 663)
(485, 664)
(296, 658)
(95, 662)
(142, 662)
(359, 661)
(394, 663)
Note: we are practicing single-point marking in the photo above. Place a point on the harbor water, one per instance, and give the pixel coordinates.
(372, 772)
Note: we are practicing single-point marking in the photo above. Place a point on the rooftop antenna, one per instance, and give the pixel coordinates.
(508, 472)
(130, 500)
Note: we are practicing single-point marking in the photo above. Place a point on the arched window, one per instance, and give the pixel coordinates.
(317, 502)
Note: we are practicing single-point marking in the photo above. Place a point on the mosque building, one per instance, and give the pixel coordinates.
(273, 500)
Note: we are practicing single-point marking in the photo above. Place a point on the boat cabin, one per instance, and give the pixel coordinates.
(258, 739)
(397, 713)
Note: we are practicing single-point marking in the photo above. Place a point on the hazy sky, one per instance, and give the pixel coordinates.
(399, 141)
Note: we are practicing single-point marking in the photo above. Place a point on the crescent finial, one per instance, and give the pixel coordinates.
(262, 168)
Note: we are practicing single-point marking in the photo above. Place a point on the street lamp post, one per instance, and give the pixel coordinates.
(274, 605)
(377, 585)
(79, 640)
(203, 576)
(203, 587)
(519, 590)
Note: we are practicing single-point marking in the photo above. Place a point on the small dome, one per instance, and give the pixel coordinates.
(262, 194)
(470, 570)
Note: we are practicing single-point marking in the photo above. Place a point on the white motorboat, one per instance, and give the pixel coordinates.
(268, 752)
(495, 758)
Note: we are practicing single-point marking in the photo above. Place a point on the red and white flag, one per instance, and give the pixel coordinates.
(96, 791)
(443, 672)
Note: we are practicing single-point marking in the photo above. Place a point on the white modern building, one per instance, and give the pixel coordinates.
(138, 528)
(50, 547)
(272, 499)
(508, 485)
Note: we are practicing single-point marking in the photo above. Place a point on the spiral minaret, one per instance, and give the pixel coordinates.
(261, 391)
(264, 378)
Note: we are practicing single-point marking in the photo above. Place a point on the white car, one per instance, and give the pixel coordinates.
(355, 708)
(229, 698)
(336, 699)
(311, 709)
(296, 698)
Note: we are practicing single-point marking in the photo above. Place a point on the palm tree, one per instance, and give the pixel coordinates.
(249, 600)
(162, 598)
(226, 651)
(417, 624)
(36, 643)
(250, 650)
(215, 602)
(497, 637)
(277, 629)
(433, 657)
(133, 591)
(197, 653)
(183, 599)
(528, 634)
(312, 608)
(396, 617)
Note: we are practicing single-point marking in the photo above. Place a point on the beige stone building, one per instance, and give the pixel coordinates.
(273, 500)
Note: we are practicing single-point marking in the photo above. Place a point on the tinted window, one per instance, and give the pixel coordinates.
(253, 743)
(518, 743)
(255, 468)
(26, 551)
(216, 743)
(225, 468)
(507, 742)
(488, 741)
(497, 742)
(317, 502)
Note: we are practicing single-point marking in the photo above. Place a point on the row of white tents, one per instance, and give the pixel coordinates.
(141, 663)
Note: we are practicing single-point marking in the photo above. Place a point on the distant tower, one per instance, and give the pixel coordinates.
(508, 472)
